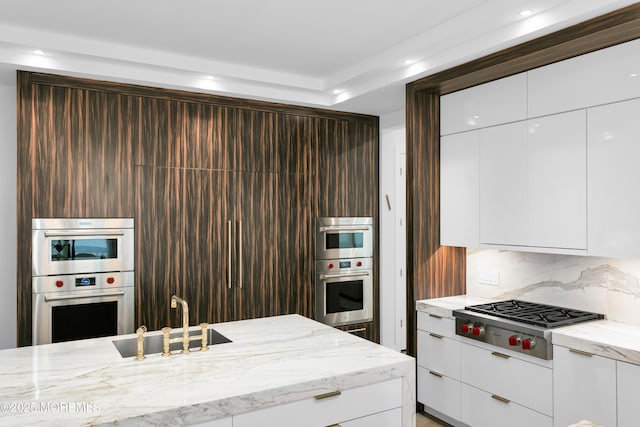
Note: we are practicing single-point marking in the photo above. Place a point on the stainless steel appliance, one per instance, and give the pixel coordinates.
(344, 291)
(82, 306)
(520, 326)
(343, 237)
(73, 245)
(82, 278)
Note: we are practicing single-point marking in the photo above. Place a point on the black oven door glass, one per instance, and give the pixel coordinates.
(81, 321)
(344, 296)
(344, 240)
(83, 249)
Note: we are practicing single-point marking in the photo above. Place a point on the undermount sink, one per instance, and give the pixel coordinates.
(153, 343)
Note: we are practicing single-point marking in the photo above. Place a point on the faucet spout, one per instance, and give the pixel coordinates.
(185, 321)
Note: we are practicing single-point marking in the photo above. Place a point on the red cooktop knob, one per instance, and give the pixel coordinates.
(478, 331)
(528, 344)
(514, 340)
(359, 263)
(110, 280)
(464, 328)
(59, 283)
(330, 265)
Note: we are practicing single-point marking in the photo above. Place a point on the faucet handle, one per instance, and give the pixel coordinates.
(140, 351)
(165, 341)
(203, 329)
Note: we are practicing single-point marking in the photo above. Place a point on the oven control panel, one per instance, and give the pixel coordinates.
(341, 265)
(81, 282)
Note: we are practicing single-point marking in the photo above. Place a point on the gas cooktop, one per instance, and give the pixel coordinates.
(519, 326)
(546, 316)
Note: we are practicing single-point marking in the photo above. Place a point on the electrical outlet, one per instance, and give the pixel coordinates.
(489, 277)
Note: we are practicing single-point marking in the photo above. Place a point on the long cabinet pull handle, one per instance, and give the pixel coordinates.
(229, 255)
(435, 315)
(437, 374)
(500, 398)
(240, 258)
(501, 355)
(335, 276)
(328, 395)
(436, 335)
(583, 353)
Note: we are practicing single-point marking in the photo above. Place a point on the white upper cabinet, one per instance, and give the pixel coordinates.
(496, 102)
(504, 206)
(459, 203)
(614, 174)
(600, 77)
(533, 183)
(557, 168)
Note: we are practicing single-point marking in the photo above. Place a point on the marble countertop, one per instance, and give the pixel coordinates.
(444, 306)
(606, 338)
(615, 340)
(270, 361)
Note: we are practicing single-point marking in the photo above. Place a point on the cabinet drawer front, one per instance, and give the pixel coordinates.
(392, 418)
(436, 324)
(522, 382)
(584, 388)
(439, 353)
(481, 409)
(348, 405)
(225, 422)
(628, 392)
(439, 392)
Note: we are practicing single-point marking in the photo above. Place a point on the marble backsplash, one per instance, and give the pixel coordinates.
(605, 285)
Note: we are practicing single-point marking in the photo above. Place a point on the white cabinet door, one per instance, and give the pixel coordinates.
(459, 203)
(439, 354)
(614, 199)
(557, 168)
(321, 412)
(604, 76)
(504, 210)
(628, 392)
(392, 418)
(496, 102)
(481, 409)
(584, 388)
(439, 392)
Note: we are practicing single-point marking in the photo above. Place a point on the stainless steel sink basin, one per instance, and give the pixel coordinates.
(153, 343)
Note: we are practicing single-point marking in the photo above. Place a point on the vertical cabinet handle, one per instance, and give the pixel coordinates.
(229, 255)
(240, 254)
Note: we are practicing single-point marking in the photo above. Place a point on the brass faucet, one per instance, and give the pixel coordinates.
(185, 339)
(185, 321)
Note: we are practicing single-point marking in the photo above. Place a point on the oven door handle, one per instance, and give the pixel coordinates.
(345, 228)
(337, 276)
(82, 233)
(65, 297)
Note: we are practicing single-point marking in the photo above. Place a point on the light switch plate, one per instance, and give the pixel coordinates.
(489, 277)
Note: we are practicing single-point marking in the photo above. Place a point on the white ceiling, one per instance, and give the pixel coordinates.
(290, 51)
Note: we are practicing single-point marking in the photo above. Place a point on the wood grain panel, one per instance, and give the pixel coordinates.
(295, 249)
(255, 141)
(297, 137)
(153, 145)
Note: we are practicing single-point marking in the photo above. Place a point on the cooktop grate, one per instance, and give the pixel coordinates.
(546, 316)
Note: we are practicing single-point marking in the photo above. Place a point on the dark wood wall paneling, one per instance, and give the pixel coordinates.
(183, 165)
(432, 270)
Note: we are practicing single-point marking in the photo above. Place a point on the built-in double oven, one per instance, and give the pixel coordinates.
(343, 270)
(82, 278)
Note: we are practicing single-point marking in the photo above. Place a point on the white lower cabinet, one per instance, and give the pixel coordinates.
(373, 405)
(584, 388)
(224, 422)
(482, 409)
(439, 392)
(628, 376)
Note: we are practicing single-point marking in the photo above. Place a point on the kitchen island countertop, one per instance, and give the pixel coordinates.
(270, 361)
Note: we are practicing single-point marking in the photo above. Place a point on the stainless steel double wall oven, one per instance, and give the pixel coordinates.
(343, 270)
(82, 278)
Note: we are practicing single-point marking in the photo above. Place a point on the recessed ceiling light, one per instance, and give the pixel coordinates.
(633, 75)
(210, 77)
(409, 61)
(338, 91)
(38, 51)
(525, 12)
